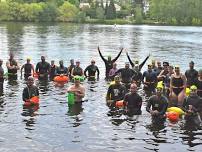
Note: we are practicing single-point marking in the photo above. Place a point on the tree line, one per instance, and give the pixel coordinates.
(176, 12)
(173, 12)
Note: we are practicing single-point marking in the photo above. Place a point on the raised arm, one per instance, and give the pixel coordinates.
(129, 59)
(114, 60)
(142, 64)
(101, 54)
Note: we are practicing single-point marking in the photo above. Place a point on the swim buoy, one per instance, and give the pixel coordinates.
(120, 104)
(172, 116)
(176, 109)
(33, 101)
(61, 78)
(187, 91)
(70, 98)
(35, 75)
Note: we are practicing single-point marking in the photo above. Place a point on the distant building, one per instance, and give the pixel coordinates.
(84, 5)
(87, 5)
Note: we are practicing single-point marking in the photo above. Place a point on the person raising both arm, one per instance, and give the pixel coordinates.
(92, 69)
(136, 62)
(109, 62)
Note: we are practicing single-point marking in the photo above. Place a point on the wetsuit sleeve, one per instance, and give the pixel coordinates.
(114, 60)
(86, 71)
(118, 71)
(25, 95)
(142, 64)
(184, 105)
(49, 68)
(37, 68)
(37, 91)
(129, 59)
(98, 72)
(123, 92)
(140, 102)
(109, 91)
(101, 55)
(148, 105)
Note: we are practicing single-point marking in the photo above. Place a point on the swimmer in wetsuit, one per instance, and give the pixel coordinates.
(92, 69)
(28, 69)
(191, 74)
(12, 66)
(108, 62)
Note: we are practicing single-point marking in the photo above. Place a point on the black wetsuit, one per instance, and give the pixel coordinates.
(116, 92)
(43, 69)
(177, 84)
(61, 70)
(137, 77)
(12, 73)
(159, 104)
(52, 72)
(77, 71)
(70, 70)
(158, 70)
(1, 79)
(150, 80)
(91, 69)
(191, 75)
(28, 92)
(28, 70)
(198, 84)
(126, 75)
(109, 64)
(134, 103)
(141, 65)
(196, 102)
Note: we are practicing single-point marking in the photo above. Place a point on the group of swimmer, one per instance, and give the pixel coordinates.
(164, 82)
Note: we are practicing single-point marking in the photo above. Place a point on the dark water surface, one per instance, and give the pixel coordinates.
(90, 127)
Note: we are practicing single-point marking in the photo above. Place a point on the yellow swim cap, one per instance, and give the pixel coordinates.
(28, 58)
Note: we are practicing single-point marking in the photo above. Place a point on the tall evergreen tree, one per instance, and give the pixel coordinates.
(111, 11)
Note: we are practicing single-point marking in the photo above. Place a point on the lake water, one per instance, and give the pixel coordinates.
(91, 127)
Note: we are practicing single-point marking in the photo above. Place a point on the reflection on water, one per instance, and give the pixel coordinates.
(92, 125)
(29, 114)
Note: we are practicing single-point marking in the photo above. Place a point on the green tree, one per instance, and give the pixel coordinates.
(67, 12)
(138, 15)
(100, 13)
(111, 10)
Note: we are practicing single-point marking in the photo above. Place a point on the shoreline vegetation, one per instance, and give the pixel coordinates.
(110, 12)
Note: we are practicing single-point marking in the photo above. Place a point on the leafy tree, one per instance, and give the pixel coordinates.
(100, 13)
(111, 10)
(67, 12)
